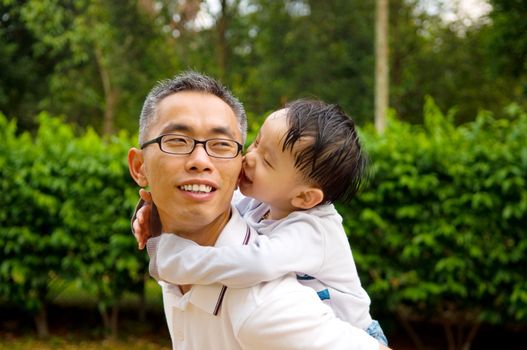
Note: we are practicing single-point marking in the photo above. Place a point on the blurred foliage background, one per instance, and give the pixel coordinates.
(94, 61)
(439, 234)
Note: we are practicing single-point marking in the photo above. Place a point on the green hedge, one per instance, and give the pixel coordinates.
(440, 232)
(66, 202)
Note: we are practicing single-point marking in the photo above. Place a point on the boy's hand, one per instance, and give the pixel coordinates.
(145, 222)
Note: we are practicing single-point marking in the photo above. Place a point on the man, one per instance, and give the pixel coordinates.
(191, 135)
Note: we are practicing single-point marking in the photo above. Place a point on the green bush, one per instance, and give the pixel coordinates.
(30, 255)
(440, 231)
(67, 200)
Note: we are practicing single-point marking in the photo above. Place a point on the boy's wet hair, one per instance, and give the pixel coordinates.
(333, 158)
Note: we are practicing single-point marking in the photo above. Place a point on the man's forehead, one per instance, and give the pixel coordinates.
(184, 127)
(187, 102)
(195, 112)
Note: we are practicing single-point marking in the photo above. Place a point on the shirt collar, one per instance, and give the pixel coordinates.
(210, 297)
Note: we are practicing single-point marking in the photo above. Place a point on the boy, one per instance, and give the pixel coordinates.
(305, 157)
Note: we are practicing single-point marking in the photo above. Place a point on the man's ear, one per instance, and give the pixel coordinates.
(308, 198)
(136, 166)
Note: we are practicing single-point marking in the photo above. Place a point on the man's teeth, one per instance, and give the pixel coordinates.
(196, 188)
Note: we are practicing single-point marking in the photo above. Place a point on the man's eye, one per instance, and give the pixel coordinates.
(174, 140)
(221, 144)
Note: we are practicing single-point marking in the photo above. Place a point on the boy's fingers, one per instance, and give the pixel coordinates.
(145, 195)
(137, 228)
(140, 245)
(134, 215)
(143, 215)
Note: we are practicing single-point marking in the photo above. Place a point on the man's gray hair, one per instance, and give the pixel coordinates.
(188, 81)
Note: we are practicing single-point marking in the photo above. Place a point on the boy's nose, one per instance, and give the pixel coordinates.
(248, 159)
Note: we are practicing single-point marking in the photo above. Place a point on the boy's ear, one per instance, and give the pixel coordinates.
(308, 198)
(136, 166)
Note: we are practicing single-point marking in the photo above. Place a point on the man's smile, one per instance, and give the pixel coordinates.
(196, 188)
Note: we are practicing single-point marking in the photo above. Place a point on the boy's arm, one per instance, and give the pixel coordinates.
(295, 247)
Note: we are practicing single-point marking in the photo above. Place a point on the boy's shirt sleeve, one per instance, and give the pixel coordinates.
(241, 202)
(293, 247)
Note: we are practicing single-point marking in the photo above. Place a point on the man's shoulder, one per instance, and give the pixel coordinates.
(282, 314)
(244, 303)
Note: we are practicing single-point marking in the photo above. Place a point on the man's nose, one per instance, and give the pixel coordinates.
(199, 159)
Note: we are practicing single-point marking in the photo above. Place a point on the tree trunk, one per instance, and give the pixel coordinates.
(110, 94)
(411, 332)
(41, 322)
(148, 7)
(222, 41)
(463, 340)
(115, 321)
(103, 310)
(467, 344)
(449, 335)
(109, 112)
(381, 64)
(142, 301)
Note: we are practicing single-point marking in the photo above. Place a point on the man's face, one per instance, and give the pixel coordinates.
(170, 177)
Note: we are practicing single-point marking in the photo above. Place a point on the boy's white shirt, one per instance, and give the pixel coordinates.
(311, 242)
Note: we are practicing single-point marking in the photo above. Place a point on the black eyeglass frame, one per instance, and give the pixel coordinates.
(195, 142)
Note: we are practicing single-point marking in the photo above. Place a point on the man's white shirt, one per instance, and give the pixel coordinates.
(311, 243)
(279, 314)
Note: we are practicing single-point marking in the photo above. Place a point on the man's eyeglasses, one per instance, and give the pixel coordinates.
(181, 144)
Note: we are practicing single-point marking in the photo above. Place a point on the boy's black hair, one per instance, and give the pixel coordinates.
(333, 158)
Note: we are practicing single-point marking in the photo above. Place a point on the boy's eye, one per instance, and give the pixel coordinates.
(267, 162)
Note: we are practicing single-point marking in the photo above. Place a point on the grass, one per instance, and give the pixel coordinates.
(72, 343)
(75, 323)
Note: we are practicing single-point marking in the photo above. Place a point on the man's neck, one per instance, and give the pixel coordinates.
(204, 235)
(208, 235)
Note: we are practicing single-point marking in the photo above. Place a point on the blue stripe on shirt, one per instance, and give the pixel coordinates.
(323, 294)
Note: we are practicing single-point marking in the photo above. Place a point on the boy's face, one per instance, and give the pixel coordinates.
(268, 173)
